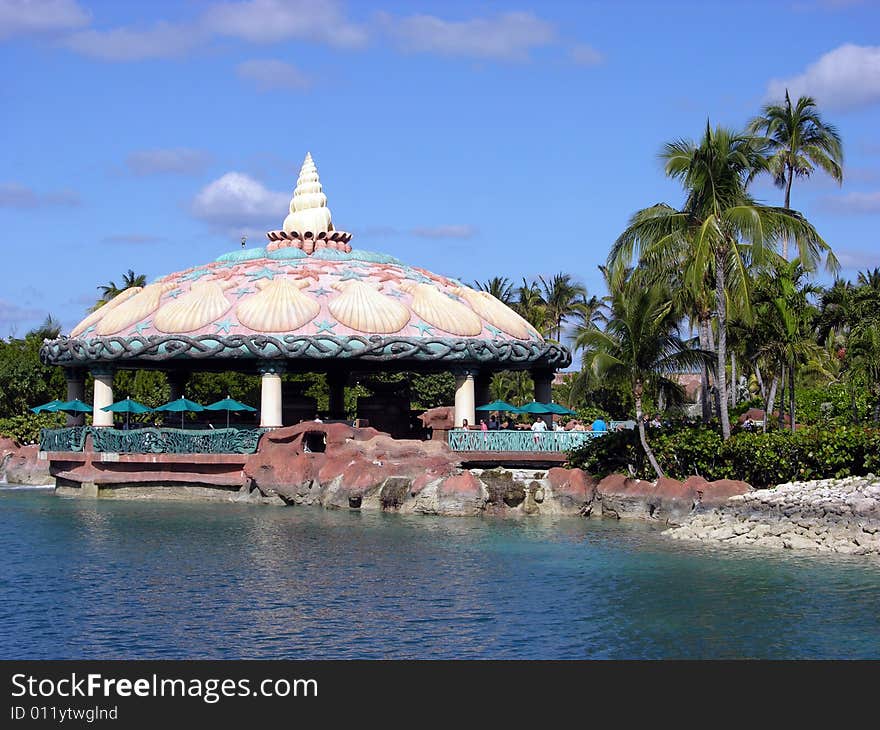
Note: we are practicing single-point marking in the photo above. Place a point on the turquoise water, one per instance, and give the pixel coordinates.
(99, 579)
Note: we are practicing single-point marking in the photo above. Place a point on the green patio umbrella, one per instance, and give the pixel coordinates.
(560, 409)
(536, 408)
(183, 405)
(229, 404)
(73, 406)
(498, 405)
(47, 407)
(127, 406)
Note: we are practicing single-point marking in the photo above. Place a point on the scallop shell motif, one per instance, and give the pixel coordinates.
(141, 305)
(497, 313)
(200, 306)
(439, 310)
(364, 308)
(279, 307)
(104, 310)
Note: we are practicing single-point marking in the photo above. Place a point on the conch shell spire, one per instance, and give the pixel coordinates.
(308, 207)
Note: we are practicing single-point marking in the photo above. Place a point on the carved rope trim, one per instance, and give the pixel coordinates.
(156, 348)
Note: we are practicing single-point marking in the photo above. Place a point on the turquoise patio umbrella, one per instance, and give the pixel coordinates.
(127, 406)
(183, 405)
(73, 406)
(498, 405)
(229, 405)
(560, 409)
(536, 408)
(47, 407)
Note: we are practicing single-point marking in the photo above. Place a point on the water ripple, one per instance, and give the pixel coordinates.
(112, 580)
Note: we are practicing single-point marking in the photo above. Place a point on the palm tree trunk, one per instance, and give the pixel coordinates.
(782, 381)
(791, 414)
(788, 207)
(771, 400)
(733, 380)
(637, 392)
(705, 402)
(721, 376)
(761, 387)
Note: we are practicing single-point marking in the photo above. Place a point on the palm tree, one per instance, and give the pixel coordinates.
(530, 304)
(787, 320)
(561, 295)
(110, 290)
(499, 287)
(799, 141)
(48, 330)
(719, 228)
(641, 347)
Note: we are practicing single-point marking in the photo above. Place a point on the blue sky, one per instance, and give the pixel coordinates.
(472, 138)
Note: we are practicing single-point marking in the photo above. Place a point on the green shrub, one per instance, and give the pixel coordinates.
(26, 428)
(760, 459)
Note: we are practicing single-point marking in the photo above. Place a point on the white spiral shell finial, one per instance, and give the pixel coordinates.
(308, 207)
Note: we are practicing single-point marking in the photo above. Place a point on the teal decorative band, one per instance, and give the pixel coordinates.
(378, 348)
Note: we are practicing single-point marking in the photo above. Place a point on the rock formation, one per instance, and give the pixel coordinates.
(828, 515)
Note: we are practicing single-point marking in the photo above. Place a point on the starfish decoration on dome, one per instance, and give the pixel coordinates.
(141, 326)
(453, 296)
(242, 291)
(349, 274)
(494, 330)
(389, 276)
(223, 326)
(264, 273)
(395, 293)
(419, 278)
(424, 328)
(325, 326)
(175, 293)
(320, 292)
(90, 328)
(194, 275)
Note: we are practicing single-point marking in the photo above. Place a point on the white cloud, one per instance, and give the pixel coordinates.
(846, 78)
(236, 200)
(270, 74)
(12, 314)
(505, 37)
(584, 55)
(851, 260)
(271, 21)
(445, 231)
(163, 40)
(15, 195)
(867, 203)
(173, 161)
(33, 17)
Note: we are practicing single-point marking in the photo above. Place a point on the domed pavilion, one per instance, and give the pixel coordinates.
(305, 302)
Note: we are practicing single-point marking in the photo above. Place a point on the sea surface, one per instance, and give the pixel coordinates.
(87, 579)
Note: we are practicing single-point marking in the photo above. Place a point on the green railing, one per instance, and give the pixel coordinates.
(153, 440)
(549, 441)
(63, 439)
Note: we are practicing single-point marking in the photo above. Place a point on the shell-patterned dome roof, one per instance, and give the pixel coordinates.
(306, 295)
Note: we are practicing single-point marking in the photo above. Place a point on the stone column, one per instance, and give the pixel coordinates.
(464, 397)
(76, 390)
(482, 389)
(336, 382)
(103, 396)
(543, 390)
(270, 395)
(177, 381)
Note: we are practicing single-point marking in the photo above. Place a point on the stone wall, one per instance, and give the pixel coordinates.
(828, 515)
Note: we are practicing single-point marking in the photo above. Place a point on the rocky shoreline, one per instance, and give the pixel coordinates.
(826, 515)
